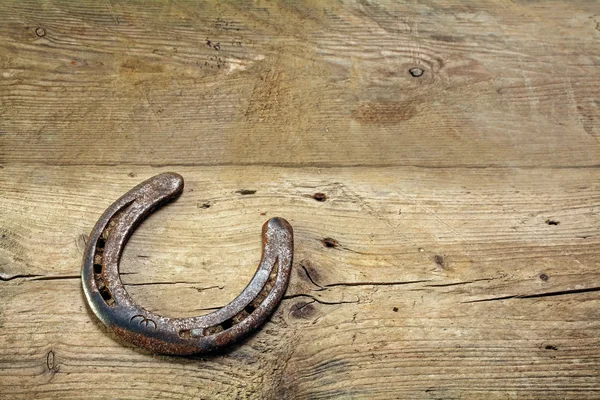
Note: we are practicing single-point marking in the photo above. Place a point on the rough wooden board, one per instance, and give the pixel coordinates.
(461, 212)
(434, 346)
(444, 283)
(300, 83)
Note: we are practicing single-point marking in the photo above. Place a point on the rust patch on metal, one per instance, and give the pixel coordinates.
(112, 304)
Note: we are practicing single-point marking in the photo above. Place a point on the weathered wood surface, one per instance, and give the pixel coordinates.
(456, 254)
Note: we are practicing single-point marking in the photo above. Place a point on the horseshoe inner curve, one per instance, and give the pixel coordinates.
(110, 301)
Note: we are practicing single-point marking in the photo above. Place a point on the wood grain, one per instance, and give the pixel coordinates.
(322, 83)
(447, 225)
(438, 283)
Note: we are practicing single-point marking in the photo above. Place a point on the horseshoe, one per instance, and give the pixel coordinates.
(116, 309)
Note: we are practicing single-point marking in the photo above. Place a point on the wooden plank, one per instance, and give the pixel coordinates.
(308, 83)
(433, 346)
(441, 283)
(452, 250)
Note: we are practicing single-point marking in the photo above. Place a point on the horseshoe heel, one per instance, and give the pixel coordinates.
(114, 306)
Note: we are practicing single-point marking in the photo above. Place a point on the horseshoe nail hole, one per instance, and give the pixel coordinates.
(227, 324)
(107, 296)
(212, 330)
(260, 297)
(242, 315)
(98, 258)
(100, 243)
(272, 277)
(100, 283)
(249, 308)
(185, 334)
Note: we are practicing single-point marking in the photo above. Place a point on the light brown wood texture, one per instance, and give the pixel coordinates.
(455, 254)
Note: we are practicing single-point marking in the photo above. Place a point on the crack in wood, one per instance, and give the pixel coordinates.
(36, 277)
(6, 277)
(294, 296)
(460, 283)
(310, 277)
(538, 295)
(375, 283)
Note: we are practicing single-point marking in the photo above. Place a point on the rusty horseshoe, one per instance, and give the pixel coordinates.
(116, 309)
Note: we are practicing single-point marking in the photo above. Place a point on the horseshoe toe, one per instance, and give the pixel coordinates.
(112, 304)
